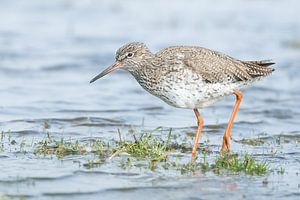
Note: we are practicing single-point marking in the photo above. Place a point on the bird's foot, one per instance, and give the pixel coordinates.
(194, 155)
(225, 144)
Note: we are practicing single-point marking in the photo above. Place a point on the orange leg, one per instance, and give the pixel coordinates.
(227, 136)
(200, 125)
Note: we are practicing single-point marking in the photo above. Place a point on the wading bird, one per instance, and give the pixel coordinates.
(189, 77)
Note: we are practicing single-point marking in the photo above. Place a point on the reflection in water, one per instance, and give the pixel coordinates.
(231, 186)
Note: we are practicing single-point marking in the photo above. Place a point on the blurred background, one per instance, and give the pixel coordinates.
(49, 51)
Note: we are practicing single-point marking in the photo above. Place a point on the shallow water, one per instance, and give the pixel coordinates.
(50, 50)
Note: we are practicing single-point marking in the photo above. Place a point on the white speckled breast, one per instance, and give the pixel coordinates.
(187, 90)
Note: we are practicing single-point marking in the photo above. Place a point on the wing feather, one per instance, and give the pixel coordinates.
(214, 66)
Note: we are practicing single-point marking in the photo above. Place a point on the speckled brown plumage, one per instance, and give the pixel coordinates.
(215, 66)
(189, 77)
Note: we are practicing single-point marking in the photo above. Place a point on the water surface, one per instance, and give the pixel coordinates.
(50, 50)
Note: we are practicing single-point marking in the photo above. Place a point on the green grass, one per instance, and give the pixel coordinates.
(227, 163)
(60, 148)
(246, 164)
(142, 150)
(157, 151)
(145, 146)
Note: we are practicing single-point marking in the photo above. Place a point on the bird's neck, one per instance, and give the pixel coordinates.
(147, 73)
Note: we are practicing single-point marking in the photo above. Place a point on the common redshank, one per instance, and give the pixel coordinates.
(189, 77)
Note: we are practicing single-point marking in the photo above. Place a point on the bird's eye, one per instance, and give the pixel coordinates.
(129, 55)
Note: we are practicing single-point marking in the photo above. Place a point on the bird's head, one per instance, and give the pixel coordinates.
(128, 57)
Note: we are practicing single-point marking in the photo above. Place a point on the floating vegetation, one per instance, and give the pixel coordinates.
(142, 150)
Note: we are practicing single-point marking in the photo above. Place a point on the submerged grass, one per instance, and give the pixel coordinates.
(60, 147)
(252, 141)
(63, 147)
(143, 151)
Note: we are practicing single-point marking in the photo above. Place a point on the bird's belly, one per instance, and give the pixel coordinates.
(186, 89)
(197, 94)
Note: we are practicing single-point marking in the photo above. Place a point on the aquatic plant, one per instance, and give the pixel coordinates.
(146, 146)
(247, 164)
(142, 150)
(60, 148)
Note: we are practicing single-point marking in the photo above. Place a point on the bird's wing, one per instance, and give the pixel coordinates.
(215, 67)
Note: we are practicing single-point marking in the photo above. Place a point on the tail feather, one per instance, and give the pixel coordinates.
(259, 68)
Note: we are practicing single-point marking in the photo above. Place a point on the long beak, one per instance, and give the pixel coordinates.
(113, 67)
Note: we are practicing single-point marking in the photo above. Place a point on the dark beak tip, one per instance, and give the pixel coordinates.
(94, 79)
(91, 81)
(106, 71)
